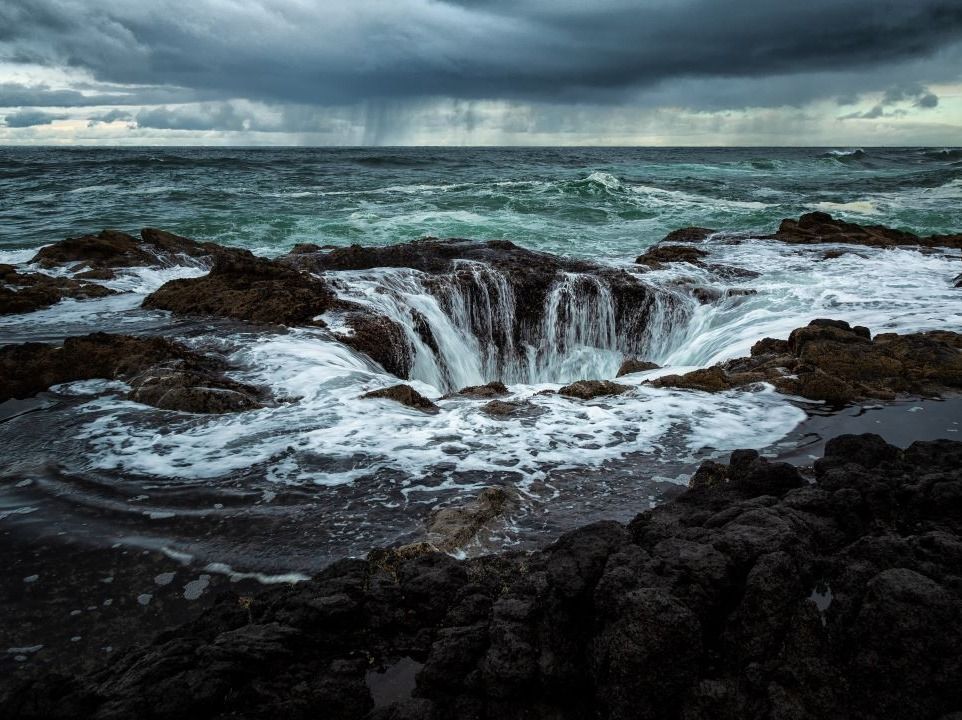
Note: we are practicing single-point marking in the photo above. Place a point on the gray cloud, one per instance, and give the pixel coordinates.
(533, 50)
(30, 118)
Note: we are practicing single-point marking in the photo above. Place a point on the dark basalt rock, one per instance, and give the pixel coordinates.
(503, 408)
(660, 255)
(831, 361)
(755, 594)
(491, 390)
(474, 270)
(114, 249)
(820, 227)
(26, 292)
(380, 338)
(958, 281)
(588, 389)
(689, 235)
(633, 365)
(245, 287)
(406, 395)
(161, 372)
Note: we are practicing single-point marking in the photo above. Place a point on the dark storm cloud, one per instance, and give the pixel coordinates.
(30, 118)
(328, 53)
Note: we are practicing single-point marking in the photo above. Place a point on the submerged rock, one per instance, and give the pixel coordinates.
(755, 593)
(502, 408)
(633, 365)
(161, 372)
(406, 395)
(245, 287)
(588, 389)
(26, 292)
(832, 361)
(820, 227)
(451, 528)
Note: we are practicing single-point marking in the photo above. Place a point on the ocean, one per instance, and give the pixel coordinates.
(277, 493)
(608, 202)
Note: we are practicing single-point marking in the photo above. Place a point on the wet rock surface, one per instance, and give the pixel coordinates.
(452, 528)
(161, 372)
(831, 361)
(380, 338)
(404, 394)
(109, 249)
(820, 227)
(26, 292)
(658, 256)
(758, 593)
(633, 365)
(245, 287)
(588, 389)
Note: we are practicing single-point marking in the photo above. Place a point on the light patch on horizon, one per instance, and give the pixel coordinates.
(480, 72)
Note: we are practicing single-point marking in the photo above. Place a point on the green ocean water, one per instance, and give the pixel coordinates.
(604, 202)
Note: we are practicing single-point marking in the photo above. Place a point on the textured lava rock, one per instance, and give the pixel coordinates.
(660, 255)
(250, 288)
(26, 292)
(380, 338)
(406, 395)
(755, 594)
(587, 389)
(820, 227)
(633, 365)
(115, 249)
(161, 372)
(831, 361)
(689, 235)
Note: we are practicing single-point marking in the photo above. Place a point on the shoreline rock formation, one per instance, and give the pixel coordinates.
(831, 361)
(757, 593)
(161, 372)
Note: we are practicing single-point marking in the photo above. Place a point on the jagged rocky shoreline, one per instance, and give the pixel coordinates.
(762, 591)
(759, 592)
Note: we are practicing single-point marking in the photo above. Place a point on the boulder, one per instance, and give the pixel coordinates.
(26, 292)
(406, 395)
(660, 255)
(831, 361)
(161, 372)
(493, 389)
(820, 227)
(689, 235)
(244, 287)
(380, 338)
(588, 389)
(633, 365)
(114, 249)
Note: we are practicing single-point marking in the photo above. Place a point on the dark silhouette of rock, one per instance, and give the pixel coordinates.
(820, 227)
(588, 389)
(406, 395)
(633, 365)
(245, 287)
(688, 235)
(26, 292)
(658, 256)
(115, 249)
(161, 372)
(493, 389)
(505, 408)
(380, 338)
(755, 594)
(831, 361)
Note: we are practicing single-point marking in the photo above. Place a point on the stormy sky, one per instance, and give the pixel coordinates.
(670, 72)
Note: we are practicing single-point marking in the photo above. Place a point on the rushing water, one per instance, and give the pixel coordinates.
(284, 489)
